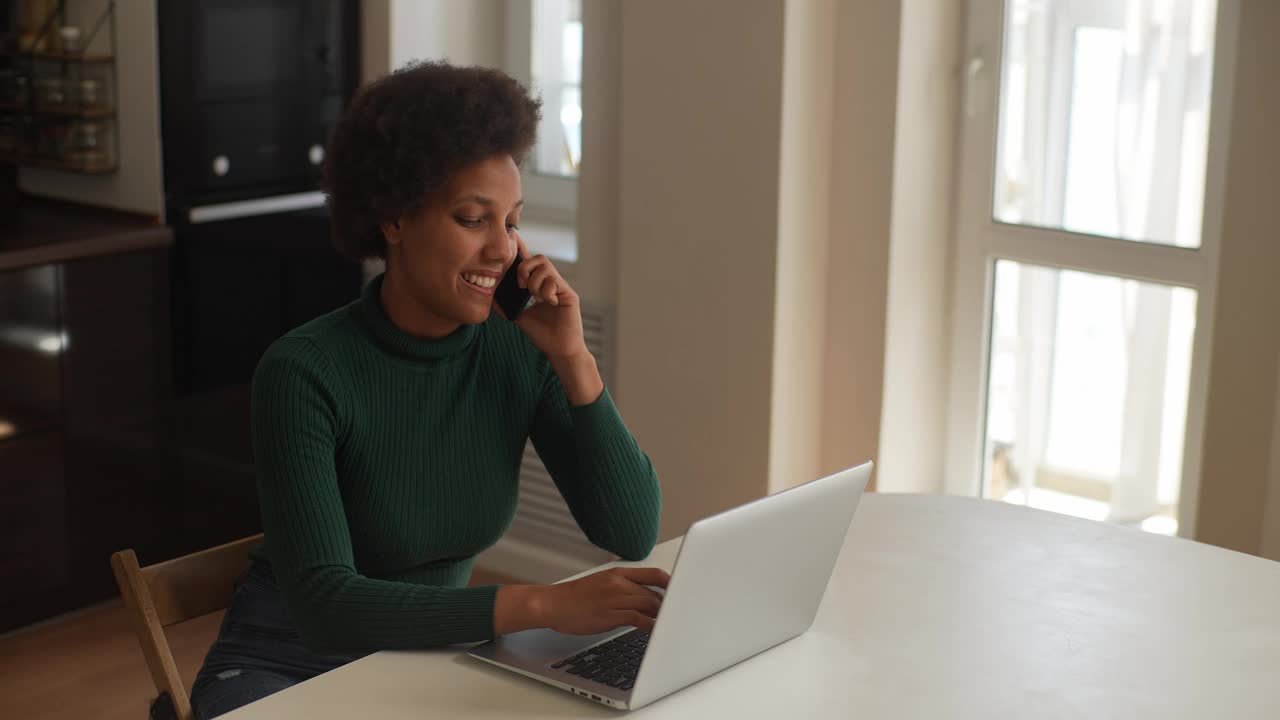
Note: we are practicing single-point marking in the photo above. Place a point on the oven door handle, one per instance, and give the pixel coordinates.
(257, 206)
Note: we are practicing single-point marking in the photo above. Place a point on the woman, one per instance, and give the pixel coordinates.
(388, 434)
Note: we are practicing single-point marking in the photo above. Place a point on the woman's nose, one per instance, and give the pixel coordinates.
(499, 245)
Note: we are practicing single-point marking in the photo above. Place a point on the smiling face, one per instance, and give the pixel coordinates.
(445, 259)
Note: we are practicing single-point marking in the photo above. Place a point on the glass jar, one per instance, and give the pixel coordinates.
(89, 94)
(53, 92)
(85, 146)
(21, 91)
(70, 37)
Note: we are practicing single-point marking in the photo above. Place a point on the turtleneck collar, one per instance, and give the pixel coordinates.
(375, 319)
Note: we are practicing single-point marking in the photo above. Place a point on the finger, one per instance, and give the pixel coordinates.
(551, 290)
(530, 266)
(647, 604)
(650, 592)
(543, 284)
(534, 276)
(633, 618)
(629, 587)
(554, 289)
(523, 270)
(565, 294)
(645, 576)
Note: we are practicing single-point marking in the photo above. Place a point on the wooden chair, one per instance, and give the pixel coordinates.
(171, 592)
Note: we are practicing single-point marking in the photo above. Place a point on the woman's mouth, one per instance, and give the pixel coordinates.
(480, 283)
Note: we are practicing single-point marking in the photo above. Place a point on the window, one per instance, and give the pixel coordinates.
(1084, 259)
(556, 72)
(544, 51)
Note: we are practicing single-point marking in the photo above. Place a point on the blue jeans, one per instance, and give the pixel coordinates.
(258, 651)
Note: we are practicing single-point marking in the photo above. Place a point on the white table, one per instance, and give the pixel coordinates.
(940, 607)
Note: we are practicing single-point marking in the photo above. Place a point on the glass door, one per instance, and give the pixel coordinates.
(1086, 253)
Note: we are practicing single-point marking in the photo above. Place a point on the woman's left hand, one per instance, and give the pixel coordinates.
(554, 322)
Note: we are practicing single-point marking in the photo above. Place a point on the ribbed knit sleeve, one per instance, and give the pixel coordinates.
(298, 411)
(606, 479)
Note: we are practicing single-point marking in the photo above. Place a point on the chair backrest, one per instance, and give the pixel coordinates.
(174, 591)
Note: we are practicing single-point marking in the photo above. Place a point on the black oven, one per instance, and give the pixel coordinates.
(250, 90)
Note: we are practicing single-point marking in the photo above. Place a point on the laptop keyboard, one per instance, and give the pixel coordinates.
(613, 663)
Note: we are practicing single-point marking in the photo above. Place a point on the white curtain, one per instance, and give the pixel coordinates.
(1162, 118)
(1161, 135)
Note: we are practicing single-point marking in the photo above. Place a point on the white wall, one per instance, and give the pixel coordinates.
(1237, 472)
(698, 209)
(917, 332)
(595, 276)
(393, 32)
(1271, 518)
(861, 203)
(803, 238)
(137, 185)
(375, 39)
(464, 33)
(742, 374)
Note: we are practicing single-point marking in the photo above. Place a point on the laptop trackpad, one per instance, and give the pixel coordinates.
(541, 646)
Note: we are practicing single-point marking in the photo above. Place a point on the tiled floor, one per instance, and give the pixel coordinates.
(88, 664)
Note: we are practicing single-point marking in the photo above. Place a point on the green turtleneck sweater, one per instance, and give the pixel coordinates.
(387, 462)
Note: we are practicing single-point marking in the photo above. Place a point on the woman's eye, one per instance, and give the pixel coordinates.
(512, 226)
(469, 222)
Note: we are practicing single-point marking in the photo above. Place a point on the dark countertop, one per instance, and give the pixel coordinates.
(49, 231)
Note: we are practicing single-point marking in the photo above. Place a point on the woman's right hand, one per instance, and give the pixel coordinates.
(593, 604)
(604, 600)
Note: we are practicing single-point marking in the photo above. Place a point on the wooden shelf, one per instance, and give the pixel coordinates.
(31, 127)
(68, 167)
(78, 58)
(47, 164)
(68, 111)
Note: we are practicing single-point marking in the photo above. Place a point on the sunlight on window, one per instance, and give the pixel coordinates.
(1091, 204)
(1103, 111)
(1087, 396)
(556, 65)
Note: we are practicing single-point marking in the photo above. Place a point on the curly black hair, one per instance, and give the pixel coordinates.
(405, 134)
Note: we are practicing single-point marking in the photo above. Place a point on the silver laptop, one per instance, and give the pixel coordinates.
(744, 581)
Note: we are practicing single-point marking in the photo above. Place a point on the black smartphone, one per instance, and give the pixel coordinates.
(510, 296)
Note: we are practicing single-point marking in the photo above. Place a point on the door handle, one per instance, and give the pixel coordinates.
(974, 70)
